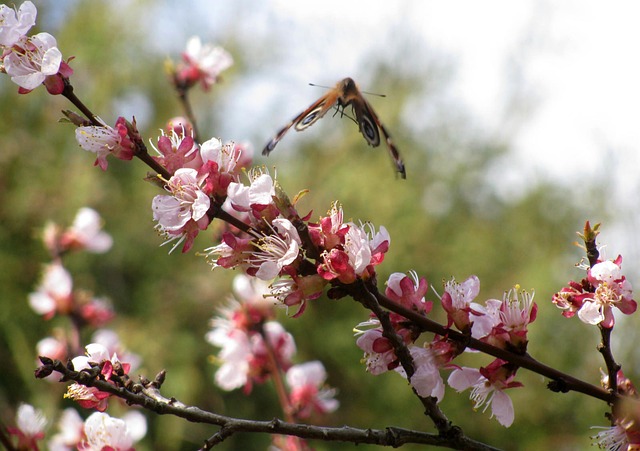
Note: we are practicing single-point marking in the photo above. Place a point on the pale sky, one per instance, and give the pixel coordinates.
(576, 62)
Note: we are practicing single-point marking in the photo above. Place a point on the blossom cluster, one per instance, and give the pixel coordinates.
(106, 356)
(501, 323)
(254, 347)
(55, 294)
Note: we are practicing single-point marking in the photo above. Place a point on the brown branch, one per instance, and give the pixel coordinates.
(147, 394)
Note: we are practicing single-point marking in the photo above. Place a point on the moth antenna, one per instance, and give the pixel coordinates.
(319, 86)
(373, 94)
(364, 92)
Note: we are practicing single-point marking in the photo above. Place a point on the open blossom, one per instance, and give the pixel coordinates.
(244, 357)
(86, 233)
(30, 424)
(202, 63)
(595, 297)
(360, 252)
(91, 397)
(230, 253)
(330, 230)
(105, 140)
(296, 289)
(379, 355)
(15, 24)
(612, 289)
(487, 388)
(184, 213)
(71, 431)
(408, 291)
(259, 193)
(35, 60)
(307, 394)
(249, 307)
(276, 251)
(54, 294)
(103, 432)
(457, 302)
(177, 149)
(426, 379)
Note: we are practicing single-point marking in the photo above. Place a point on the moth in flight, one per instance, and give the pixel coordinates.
(344, 94)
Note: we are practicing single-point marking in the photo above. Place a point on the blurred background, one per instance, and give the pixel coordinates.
(516, 122)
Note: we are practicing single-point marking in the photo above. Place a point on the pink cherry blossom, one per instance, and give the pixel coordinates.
(182, 214)
(177, 150)
(230, 253)
(276, 251)
(244, 358)
(14, 25)
(32, 60)
(330, 230)
(91, 397)
(105, 140)
(426, 379)
(88, 397)
(487, 389)
(307, 394)
(594, 298)
(379, 355)
(54, 294)
(457, 301)
(30, 424)
(259, 192)
(203, 64)
(71, 427)
(362, 249)
(408, 291)
(86, 233)
(104, 432)
(297, 290)
(612, 289)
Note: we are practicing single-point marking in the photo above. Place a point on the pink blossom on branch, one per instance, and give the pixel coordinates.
(71, 431)
(308, 394)
(182, 214)
(487, 388)
(96, 355)
(36, 60)
(103, 432)
(275, 252)
(409, 291)
(457, 302)
(244, 357)
(15, 24)
(29, 428)
(177, 149)
(105, 140)
(55, 292)
(361, 251)
(595, 297)
(203, 63)
(86, 233)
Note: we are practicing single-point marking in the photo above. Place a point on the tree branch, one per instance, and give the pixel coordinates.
(147, 394)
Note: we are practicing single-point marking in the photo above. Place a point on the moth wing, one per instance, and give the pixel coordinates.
(367, 120)
(370, 127)
(303, 120)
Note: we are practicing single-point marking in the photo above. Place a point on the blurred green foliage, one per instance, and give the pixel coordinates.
(447, 219)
